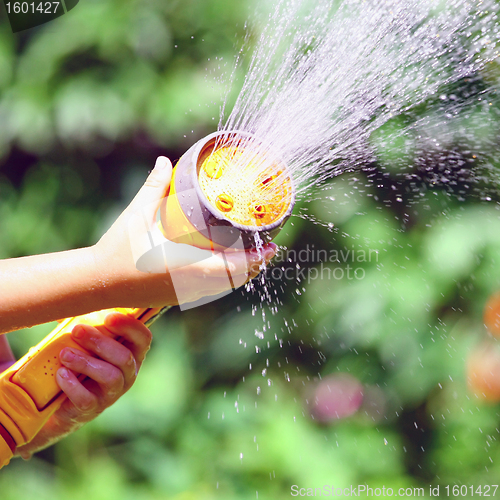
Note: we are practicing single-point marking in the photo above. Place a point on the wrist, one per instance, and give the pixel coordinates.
(102, 274)
(122, 284)
(54, 430)
(114, 274)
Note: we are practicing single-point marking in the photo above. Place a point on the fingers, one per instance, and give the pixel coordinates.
(105, 348)
(111, 378)
(111, 364)
(85, 402)
(236, 263)
(109, 367)
(257, 258)
(247, 265)
(136, 336)
(218, 273)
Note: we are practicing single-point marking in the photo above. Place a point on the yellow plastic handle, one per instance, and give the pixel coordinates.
(29, 393)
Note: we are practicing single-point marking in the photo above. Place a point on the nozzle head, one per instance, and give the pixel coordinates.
(241, 188)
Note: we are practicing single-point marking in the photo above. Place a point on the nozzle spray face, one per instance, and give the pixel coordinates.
(228, 185)
(244, 185)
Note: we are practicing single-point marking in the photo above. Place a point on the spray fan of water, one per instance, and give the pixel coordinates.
(326, 74)
(323, 79)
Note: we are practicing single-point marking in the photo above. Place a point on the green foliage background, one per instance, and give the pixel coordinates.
(222, 407)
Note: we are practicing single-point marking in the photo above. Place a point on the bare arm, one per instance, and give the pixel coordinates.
(42, 288)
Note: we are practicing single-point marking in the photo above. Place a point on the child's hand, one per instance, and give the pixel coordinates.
(188, 273)
(110, 370)
(42, 288)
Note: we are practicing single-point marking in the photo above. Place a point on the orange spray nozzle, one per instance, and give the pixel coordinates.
(228, 185)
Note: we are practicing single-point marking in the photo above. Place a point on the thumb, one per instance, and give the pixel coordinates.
(149, 197)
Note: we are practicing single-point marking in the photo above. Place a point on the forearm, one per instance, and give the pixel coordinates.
(43, 288)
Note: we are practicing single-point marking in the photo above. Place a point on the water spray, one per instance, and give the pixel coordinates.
(227, 191)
